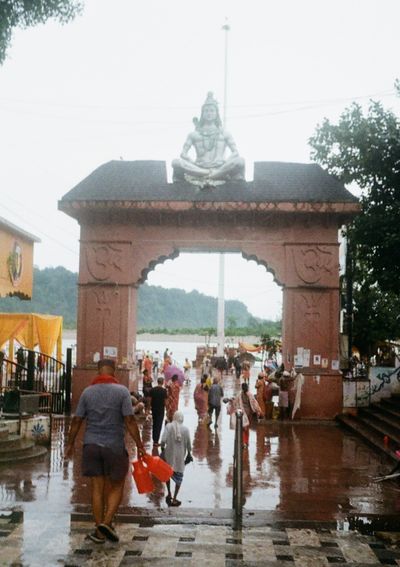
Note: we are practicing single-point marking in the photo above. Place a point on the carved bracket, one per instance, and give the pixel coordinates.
(271, 256)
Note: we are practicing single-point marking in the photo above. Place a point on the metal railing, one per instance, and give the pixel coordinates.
(40, 374)
(237, 496)
(12, 374)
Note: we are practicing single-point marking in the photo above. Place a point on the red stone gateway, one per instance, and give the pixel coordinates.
(287, 219)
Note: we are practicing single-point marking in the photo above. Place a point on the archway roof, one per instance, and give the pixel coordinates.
(273, 181)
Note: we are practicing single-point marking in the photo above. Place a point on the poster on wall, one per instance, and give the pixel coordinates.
(306, 357)
(335, 365)
(298, 361)
(110, 351)
(324, 363)
(298, 357)
(317, 360)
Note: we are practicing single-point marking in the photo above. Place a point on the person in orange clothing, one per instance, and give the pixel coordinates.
(172, 401)
(148, 365)
(246, 371)
(260, 396)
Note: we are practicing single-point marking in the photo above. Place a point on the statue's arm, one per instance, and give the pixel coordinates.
(230, 142)
(186, 147)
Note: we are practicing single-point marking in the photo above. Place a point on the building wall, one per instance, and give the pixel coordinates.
(16, 264)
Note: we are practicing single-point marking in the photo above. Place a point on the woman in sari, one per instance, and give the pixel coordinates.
(246, 371)
(246, 402)
(260, 396)
(147, 386)
(176, 446)
(201, 399)
(172, 401)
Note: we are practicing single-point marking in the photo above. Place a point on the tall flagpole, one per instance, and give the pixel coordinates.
(221, 281)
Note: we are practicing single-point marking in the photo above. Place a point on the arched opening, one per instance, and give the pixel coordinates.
(179, 298)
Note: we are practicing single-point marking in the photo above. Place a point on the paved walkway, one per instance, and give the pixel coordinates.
(190, 544)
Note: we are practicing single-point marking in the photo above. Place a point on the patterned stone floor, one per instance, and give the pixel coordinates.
(189, 544)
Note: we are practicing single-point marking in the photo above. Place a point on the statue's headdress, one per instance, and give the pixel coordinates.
(210, 100)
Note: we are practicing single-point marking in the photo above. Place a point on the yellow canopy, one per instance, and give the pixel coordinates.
(31, 330)
(250, 348)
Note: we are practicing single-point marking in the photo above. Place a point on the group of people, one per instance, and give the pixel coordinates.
(108, 408)
(208, 399)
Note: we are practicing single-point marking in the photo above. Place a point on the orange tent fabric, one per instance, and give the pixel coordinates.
(32, 330)
(250, 348)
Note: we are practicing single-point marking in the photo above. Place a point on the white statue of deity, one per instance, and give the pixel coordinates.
(210, 141)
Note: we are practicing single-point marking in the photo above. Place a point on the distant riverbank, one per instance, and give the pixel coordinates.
(70, 335)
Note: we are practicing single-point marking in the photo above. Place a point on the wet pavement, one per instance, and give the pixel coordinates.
(296, 476)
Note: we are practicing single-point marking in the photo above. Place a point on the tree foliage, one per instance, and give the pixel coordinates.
(364, 148)
(376, 313)
(28, 13)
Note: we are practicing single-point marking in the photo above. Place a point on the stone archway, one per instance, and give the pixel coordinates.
(287, 220)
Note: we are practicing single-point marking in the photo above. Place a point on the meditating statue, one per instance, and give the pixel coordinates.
(210, 141)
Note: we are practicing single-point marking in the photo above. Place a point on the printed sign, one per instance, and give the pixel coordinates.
(317, 360)
(110, 351)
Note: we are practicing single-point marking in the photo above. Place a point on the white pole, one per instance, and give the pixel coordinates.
(221, 306)
(221, 282)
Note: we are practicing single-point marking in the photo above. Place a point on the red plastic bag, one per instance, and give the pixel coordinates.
(142, 478)
(157, 466)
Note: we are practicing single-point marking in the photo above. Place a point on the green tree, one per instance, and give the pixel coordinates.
(364, 148)
(28, 13)
(376, 314)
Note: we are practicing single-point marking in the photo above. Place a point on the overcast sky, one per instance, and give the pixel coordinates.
(126, 78)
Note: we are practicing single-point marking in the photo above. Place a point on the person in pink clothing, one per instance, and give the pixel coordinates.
(246, 402)
(172, 401)
(201, 398)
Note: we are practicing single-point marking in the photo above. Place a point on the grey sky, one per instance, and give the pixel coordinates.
(126, 78)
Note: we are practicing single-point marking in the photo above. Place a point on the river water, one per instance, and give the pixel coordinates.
(180, 349)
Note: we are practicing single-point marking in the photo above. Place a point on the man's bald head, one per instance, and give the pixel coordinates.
(106, 366)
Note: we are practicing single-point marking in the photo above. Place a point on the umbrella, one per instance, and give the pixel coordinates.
(171, 370)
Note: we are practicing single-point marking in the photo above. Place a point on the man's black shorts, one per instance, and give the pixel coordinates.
(103, 461)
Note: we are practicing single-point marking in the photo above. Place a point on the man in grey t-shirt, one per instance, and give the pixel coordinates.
(107, 408)
(215, 396)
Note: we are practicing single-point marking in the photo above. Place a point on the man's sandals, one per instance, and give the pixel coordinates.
(108, 531)
(172, 501)
(95, 538)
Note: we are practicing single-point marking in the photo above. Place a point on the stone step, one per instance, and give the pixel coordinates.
(391, 403)
(382, 417)
(33, 453)
(370, 436)
(9, 440)
(386, 409)
(15, 448)
(4, 431)
(380, 426)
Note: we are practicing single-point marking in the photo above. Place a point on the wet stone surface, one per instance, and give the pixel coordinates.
(293, 473)
(199, 545)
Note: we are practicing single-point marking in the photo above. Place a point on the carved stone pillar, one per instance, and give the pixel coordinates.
(311, 326)
(107, 318)
(107, 300)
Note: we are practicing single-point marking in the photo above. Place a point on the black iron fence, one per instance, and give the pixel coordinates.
(38, 373)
